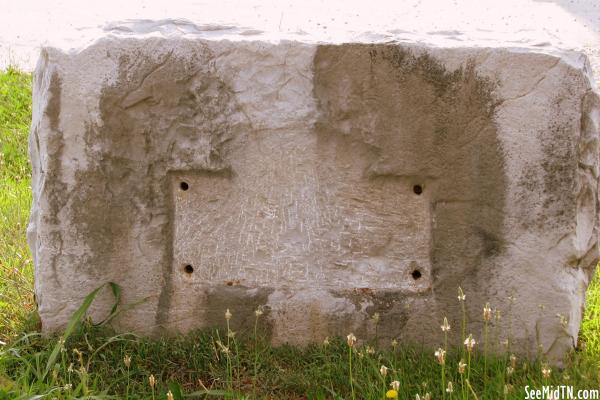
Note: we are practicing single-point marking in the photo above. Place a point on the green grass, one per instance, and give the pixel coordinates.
(91, 361)
(16, 270)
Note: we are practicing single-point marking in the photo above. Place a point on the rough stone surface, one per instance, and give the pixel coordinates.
(325, 181)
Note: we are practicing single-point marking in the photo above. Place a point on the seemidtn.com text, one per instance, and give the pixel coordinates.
(560, 392)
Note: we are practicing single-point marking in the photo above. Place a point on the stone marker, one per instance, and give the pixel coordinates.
(326, 181)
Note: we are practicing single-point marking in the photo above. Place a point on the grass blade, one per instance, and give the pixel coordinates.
(73, 322)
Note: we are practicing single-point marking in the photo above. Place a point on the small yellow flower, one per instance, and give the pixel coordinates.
(152, 381)
(383, 370)
(127, 361)
(170, 395)
(445, 326)
(487, 312)
(461, 294)
(470, 343)
(391, 394)
(395, 385)
(227, 315)
(351, 340)
(461, 367)
(440, 354)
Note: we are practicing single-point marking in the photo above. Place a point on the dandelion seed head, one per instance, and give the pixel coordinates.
(461, 294)
(461, 367)
(351, 340)
(487, 312)
(259, 311)
(440, 354)
(470, 343)
(376, 317)
(497, 315)
(445, 326)
(383, 370)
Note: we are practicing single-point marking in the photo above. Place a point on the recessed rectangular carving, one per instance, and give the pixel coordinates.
(313, 231)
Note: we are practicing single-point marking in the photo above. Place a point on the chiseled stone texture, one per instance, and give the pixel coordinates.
(327, 182)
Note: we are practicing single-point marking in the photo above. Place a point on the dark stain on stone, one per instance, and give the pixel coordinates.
(53, 174)
(54, 102)
(156, 118)
(242, 302)
(413, 117)
(553, 180)
(392, 310)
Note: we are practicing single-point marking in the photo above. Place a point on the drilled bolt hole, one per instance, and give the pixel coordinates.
(418, 189)
(188, 269)
(184, 186)
(416, 274)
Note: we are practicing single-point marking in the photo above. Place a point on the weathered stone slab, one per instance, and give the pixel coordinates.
(328, 182)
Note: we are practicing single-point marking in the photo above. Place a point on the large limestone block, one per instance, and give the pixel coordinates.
(328, 182)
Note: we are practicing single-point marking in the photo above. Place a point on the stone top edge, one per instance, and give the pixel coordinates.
(185, 29)
(182, 29)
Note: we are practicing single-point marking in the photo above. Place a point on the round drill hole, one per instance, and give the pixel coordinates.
(184, 186)
(418, 189)
(416, 274)
(188, 269)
